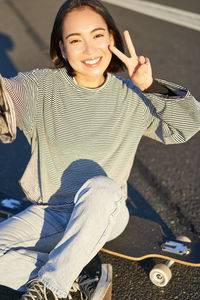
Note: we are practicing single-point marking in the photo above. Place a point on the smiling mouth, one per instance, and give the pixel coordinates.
(92, 62)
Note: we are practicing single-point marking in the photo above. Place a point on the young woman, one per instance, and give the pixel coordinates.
(84, 125)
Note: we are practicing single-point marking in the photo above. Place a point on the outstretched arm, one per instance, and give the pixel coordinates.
(18, 98)
(7, 115)
(172, 114)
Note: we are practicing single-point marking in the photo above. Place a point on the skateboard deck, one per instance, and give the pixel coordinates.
(144, 239)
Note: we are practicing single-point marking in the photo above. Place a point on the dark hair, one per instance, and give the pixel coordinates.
(56, 35)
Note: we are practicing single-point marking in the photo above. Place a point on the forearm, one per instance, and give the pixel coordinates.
(175, 115)
(7, 116)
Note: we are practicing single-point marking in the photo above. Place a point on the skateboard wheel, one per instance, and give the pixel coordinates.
(160, 275)
(183, 238)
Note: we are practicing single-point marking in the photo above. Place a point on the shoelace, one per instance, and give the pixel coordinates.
(75, 288)
(36, 291)
(87, 286)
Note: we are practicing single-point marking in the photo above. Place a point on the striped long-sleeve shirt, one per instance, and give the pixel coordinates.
(77, 133)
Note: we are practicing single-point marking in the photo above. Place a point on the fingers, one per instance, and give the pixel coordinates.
(119, 54)
(134, 64)
(129, 44)
(130, 47)
(148, 61)
(143, 60)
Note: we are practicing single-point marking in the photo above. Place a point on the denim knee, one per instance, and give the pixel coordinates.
(101, 190)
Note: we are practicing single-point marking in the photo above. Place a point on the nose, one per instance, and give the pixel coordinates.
(89, 48)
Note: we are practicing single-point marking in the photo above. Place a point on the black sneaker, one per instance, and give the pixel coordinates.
(36, 290)
(96, 283)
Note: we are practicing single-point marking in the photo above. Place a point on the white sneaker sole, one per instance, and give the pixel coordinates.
(103, 290)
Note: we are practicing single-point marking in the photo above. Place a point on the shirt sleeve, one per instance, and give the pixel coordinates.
(171, 119)
(23, 91)
(159, 88)
(7, 116)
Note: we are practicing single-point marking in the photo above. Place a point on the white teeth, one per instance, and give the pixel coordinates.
(91, 62)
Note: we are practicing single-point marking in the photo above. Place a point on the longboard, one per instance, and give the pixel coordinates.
(144, 239)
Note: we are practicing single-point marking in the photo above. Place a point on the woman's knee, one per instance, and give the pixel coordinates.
(121, 222)
(101, 189)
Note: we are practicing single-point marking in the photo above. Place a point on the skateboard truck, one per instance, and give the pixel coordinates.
(161, 274)
(175, 248)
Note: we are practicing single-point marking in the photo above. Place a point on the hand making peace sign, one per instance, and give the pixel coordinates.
(139, 67)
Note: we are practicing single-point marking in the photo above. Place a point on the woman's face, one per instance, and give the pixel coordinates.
(86, 41)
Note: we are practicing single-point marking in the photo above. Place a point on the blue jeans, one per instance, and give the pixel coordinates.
(56, 245)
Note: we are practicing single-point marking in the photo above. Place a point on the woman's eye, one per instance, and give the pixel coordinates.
(74, 41)
(99, 35)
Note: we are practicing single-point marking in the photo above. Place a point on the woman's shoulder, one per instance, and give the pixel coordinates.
(46, 72)
(38, 76)
(40, 73)
(124, 84)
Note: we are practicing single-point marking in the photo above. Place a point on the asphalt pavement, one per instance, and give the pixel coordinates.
(165, 180)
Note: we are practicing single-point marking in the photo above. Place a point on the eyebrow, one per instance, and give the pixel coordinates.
(76, 33)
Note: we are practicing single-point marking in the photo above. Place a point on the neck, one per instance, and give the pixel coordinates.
(91, 83)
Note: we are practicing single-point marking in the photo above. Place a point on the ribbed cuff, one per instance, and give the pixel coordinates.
(158, 88)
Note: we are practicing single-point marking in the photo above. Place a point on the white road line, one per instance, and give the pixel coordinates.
(166, 13)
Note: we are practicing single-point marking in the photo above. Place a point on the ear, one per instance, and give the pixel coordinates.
(62, 50)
